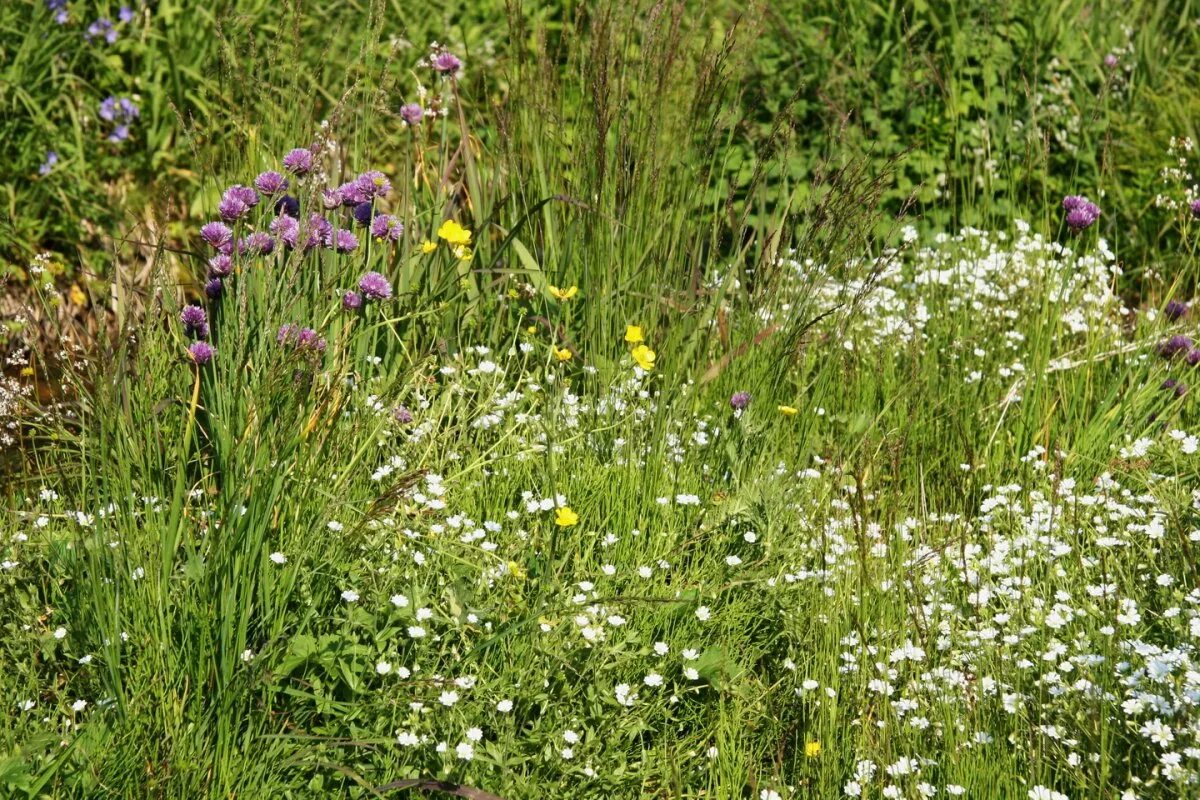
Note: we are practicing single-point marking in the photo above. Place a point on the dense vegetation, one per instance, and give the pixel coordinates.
(599, 400)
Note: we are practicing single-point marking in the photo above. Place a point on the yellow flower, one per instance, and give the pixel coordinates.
(812, 749)
(428, 246)
(788, 411)
(564, 294)
(564, 517)
(27, 372)
(516, 571)
(454, 233)
(562, 354)
(633, 334)
(462, 252)
(77, 295)
(532, 329)
(644, 357)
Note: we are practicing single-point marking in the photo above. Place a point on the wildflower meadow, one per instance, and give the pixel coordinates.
(600, 400)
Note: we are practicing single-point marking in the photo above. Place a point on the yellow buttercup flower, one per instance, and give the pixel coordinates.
(564, 517)
(812, 749)
(531, 329)
(77, 295)
(644, 357)
(562, 354)
(634, 335)
(454, 233)
(428, 246)
(564, 294)
(788, 411)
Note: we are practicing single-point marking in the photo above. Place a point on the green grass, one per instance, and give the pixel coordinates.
(947, 546)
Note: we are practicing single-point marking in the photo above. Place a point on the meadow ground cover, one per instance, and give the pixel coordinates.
(600, 401)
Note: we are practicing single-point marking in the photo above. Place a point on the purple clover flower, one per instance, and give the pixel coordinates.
(300, 338)
(256, 242)
(217, 234)
(352, 301)
(287, 229)
(1192, 358)
(374, 286)
(402, 415)
(243, 193)
(740, 401)
(1195, 206)
(345, 242)
(1174, 346)
(385, 226)
(271, 183)
(1081, 212)
(201, 353)
(372, 184)
(446, 63)
(232, 208)
(333, 198)
(220, 265)
(195, 321)
(307, 339)
(299, 161)
(1174, 310)
(320, 232)
(213, 288)
(412, 113)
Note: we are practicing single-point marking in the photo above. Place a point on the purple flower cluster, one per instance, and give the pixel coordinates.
(303, 339)
(1081, 212)
(195, 324)
(250, 228)
(387, 228)
(102, 28)
(237, 202)
(271, 183)
(374, 287)
(201, 353)
(1175, 310)
(443, 62)
(412, 114)
(59, 9)
(298, 161)
(121, 112)
(48, 164)
(1175, 346)
(1195, 206)
(195, 321)
(740, 401)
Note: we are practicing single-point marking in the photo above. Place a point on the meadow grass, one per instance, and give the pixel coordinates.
(761, 426)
